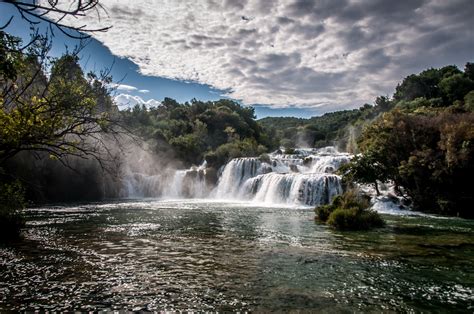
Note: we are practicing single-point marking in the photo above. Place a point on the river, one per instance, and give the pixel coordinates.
(232, 256)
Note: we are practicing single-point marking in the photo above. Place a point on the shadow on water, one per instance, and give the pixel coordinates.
(198, 255)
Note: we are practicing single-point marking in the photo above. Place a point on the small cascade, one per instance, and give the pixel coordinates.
(142, 185)
(175, 188)
(235, 173)
(189, 183)
(329, 164)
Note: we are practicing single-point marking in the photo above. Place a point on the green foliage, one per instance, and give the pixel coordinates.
(189, 145)
(46, 121)
(9, 57)
(425, 84)
(364, 169)
(469, 101)
(238, 148)
(428, 155)
(56, 115)
(354, 219)
(469, 70)
(265, 158)
(424, 145)
(335, 128)
(214, 130)
(12, 201)
(456, 87)
(290, 150)
(323, 212)
(446, 85)
(382, 103)
(313, 132)
(349, 211)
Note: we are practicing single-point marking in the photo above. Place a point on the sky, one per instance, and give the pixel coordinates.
(284, 57)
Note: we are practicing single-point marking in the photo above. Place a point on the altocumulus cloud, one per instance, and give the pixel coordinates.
(330, 54)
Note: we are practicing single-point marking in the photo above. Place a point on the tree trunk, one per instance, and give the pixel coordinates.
(377, 188)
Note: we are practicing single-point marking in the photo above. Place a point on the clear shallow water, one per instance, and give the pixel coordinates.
(201, 255)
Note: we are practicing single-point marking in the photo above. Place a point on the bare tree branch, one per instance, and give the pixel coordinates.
(54, 14)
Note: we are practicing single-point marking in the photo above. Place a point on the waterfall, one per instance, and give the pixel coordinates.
(142, 185)
(188, 183)
(293, 188)
(305, 177)
(175, 187)
(235, 173)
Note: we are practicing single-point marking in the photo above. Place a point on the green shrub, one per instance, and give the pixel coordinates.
(12, 201)
(349, 211)
(354, 219)
(323, 212)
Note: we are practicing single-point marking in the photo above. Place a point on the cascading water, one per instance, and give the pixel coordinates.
(235, 173)
(305, 177)
(302, 178)
(293, 188)
(329, 164)
(142, 185)
(189, 183)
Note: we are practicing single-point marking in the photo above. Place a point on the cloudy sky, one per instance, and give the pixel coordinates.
(298, 57)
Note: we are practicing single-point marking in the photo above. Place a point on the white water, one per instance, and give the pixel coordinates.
(173, 183)
(189, 183)
(293, 188)
(304, 178)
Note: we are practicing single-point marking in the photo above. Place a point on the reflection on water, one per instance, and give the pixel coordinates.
(200, 255)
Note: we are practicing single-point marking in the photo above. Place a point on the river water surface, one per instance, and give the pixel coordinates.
(202, 255)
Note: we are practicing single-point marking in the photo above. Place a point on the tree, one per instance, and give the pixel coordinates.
(59, 116)
(425, 84)
(383, 103)
(364, 169)
(428, 155)
(65, 115)
(469, 70)
(455, 87)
